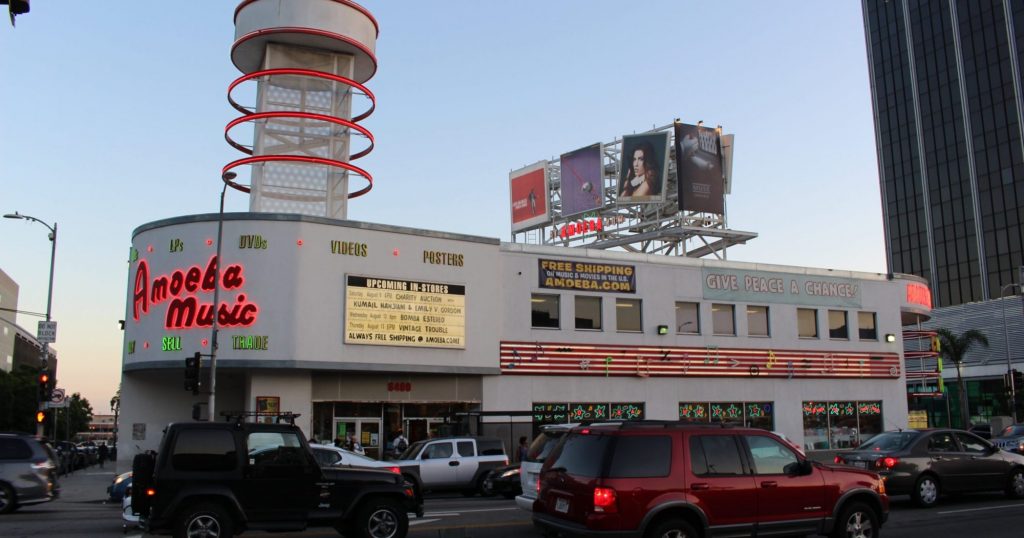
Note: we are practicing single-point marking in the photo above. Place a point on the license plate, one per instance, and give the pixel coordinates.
(861, 464)
(561, 505)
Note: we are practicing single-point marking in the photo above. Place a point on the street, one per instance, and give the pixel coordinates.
(82, 512)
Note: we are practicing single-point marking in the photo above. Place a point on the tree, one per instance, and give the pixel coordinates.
(19, 399)
(955, 348)
(81, 414)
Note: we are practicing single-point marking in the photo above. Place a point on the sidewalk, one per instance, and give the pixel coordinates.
(86, 485)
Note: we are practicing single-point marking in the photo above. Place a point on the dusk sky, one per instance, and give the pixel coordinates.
(112, 115)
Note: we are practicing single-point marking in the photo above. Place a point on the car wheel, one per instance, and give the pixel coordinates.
(857, 521)
(485, 486)
(205, 520)
(673, 528)
(7, 503)
(1015, 487)
(380, 519)
(926, 491)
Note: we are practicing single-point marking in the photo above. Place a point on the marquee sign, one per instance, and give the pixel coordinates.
(389, 312)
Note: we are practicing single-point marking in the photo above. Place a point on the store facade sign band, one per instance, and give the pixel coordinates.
(586, 276)
(390, 312)
(790, 288)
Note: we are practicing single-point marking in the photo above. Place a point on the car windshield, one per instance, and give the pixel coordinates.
(410, 453)
(542, 445)
(889, 441)
(1012, 431)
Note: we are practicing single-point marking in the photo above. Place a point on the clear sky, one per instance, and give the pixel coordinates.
(112, 115)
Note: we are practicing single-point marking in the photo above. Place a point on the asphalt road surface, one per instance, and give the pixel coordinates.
(82, 512)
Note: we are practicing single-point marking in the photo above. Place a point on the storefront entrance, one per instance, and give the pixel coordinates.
(365, 430)
(423, 428)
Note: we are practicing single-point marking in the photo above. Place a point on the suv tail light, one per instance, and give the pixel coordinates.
(537, 483)
(395, 470)
(604, 500)
(887, 462)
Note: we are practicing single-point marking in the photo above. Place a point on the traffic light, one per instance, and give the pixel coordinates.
(936, 344)
(192, 366)
(1018, 381)
(40, 417)
(45, 388)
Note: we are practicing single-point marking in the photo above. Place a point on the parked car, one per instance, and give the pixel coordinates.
(332, 456)
(929, 463)
(503, 481)
(28, 472)
(529, 470)
(453, 463)
(674, 479)
(1011, 438)
(215, 478)
(116, 490)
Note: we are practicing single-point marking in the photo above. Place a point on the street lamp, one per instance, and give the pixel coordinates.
(53, 252)
(1006, 346)
(115, 406)
(49, 291)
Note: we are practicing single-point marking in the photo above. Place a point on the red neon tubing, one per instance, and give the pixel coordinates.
(303, 115)
(302, 72)
(301, 159)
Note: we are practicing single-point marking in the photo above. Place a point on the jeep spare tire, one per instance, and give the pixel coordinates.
(143, 466)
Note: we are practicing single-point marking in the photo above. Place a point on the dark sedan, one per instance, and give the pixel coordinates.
(503, 481)
(929, 463)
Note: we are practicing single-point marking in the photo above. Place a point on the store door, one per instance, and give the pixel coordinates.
(423, 428)
(366, 431)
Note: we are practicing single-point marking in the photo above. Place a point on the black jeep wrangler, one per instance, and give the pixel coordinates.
(219, 479)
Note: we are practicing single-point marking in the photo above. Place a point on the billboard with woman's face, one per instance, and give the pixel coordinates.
(643, 168)
(582, 184)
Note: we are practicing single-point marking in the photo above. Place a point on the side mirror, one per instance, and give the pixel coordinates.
(805, 468)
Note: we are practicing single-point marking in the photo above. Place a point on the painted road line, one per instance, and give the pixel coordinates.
(981, 509)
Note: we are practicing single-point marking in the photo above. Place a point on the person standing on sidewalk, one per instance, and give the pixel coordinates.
(104, 452)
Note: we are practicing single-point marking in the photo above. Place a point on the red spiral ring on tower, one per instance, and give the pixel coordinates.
(251, 116)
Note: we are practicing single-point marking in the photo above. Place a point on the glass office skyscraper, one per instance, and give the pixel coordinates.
(947, 95)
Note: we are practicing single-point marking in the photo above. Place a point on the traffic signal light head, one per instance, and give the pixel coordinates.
(193, 365)
(45, 388)
(40, 417)
(1018, 380)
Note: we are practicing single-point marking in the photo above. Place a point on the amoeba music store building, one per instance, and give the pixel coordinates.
(366, 329)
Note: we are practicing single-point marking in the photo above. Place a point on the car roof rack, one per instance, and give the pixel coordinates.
(240, 417)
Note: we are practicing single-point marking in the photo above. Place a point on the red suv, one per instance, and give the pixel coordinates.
(674, 480)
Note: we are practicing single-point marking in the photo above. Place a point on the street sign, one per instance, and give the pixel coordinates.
(57, 396)
(55, 405)
(47, 332)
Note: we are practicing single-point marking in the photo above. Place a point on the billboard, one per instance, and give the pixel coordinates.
(699, 169)
(582, 180)
(643, 168)
(529, 188)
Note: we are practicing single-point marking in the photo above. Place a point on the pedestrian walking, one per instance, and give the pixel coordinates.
(523, 449)
(104, 452)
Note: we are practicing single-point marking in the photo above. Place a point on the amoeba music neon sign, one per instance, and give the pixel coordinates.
(181, 289)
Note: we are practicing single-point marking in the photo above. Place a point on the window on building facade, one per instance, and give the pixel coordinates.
(723, 319)
(866, 325)
(687, 318)
(628, 315)
(544, 311)
(757, 321)
(837, 325)
(807, 322)
(835, 425)
(588, 312)
(749, 414)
